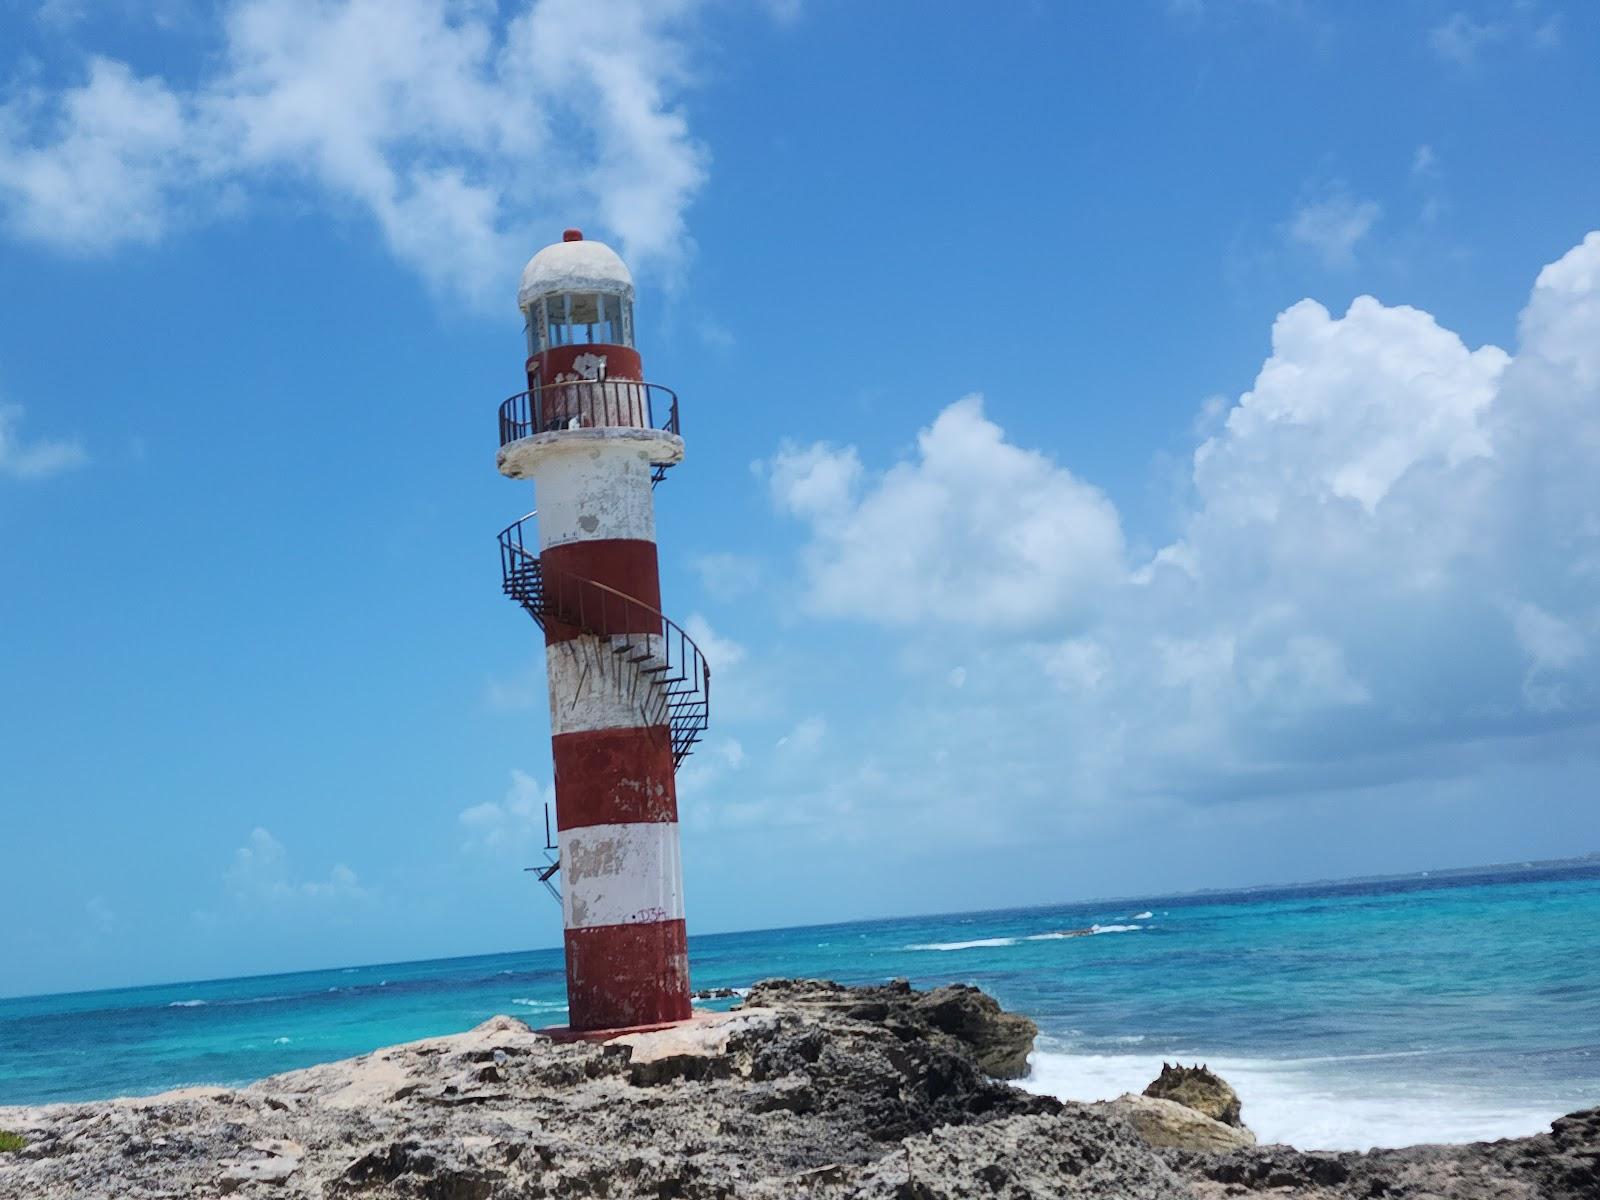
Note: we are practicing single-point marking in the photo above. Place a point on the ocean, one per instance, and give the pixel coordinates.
(1347, 1015)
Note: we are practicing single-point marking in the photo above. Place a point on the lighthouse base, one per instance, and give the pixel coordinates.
(566, 1034)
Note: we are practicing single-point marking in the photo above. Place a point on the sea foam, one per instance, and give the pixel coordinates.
(973, 945)
(1308, 1109)
(1052, 935)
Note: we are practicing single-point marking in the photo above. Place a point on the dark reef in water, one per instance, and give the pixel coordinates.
(810, 1089)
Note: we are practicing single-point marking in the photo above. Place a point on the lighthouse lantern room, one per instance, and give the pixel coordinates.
(629, 690)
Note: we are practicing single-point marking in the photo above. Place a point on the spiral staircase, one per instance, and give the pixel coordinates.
(656, 668)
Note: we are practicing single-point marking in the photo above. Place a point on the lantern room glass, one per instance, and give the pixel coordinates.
(578, 318)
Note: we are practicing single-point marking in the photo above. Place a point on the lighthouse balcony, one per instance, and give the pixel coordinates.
(535, 421)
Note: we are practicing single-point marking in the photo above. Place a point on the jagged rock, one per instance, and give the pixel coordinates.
(1073, 1153)
(1199, 1088)
(1166, 1123)
(971, 1019)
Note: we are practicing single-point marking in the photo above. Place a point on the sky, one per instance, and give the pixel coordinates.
(1131, 447)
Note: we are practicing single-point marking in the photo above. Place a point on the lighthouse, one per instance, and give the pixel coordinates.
(629, 690)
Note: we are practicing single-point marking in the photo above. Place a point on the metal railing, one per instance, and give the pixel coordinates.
(588, 404)
(648, 656)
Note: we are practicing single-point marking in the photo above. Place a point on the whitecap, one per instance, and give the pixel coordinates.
(1057, 934)
(1307, 1109)
(280, 1041)
(1144, 916)
(527, 1003)
(1002, 941)
(187, 1004)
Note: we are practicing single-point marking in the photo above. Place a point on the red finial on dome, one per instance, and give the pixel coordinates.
(572, 235)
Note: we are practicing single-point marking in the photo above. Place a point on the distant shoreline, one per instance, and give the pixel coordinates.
(1526, 867)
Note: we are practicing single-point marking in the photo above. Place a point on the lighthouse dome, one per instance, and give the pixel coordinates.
(574, 265)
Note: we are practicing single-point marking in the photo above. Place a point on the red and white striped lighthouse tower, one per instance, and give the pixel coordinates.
(628, 688)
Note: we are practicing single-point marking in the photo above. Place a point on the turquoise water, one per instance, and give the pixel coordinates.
(1347, 1015)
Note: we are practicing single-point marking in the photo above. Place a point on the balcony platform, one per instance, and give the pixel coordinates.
(520, 459)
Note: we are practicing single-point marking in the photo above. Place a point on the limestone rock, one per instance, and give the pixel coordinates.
(1199, 1088)
(1166, 1123)
(274, 1169)
(1059, 1156)
(959, 1016)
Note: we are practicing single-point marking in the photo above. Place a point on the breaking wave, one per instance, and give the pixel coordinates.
(1052, 935)
(187, 1004)
(1003, 941)
(1310, 1110)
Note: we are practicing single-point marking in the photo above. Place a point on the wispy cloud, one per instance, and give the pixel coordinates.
(1333, 225)
(512, 824)
(1465, 40)
(39, 458)
(1460, 39)
(462, 136)
(261, 875)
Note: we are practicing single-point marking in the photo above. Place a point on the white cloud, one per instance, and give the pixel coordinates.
(1386, 567)
(813, 481)
(260, 875)
(514, 823)
(105, 164)
(21, 459)
(974, 530)
(1463, 40)
(1333, 225)
(1345, 408)
(464, 137)
(1459, 38)
(743, 687)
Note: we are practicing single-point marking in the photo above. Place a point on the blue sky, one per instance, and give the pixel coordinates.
(1131, 447)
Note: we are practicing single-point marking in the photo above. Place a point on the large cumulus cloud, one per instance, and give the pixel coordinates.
(1387, 567)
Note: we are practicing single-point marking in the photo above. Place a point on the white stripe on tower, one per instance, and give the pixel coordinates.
(628, 874)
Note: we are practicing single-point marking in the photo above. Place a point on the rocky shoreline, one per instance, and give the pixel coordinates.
(809, 1089)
